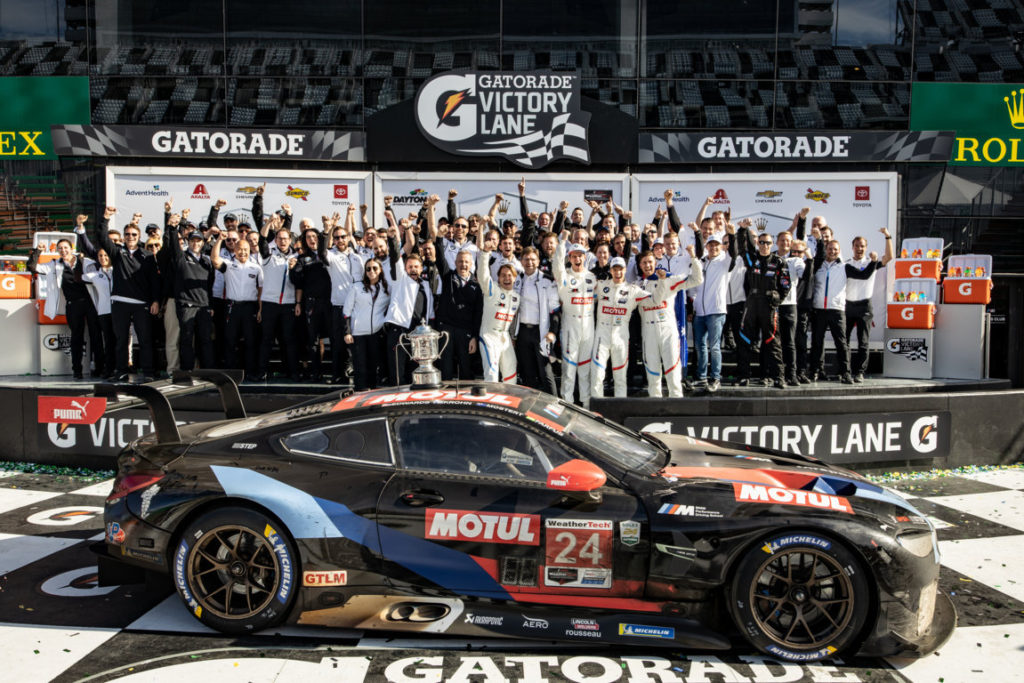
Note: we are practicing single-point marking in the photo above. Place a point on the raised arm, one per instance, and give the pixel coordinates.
(890, 251)
(452, 213)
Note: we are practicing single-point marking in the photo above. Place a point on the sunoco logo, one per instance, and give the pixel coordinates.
(530, 119)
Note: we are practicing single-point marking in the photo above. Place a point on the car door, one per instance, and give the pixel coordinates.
(470, 510)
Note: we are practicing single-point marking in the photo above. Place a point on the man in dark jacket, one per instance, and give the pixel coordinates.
(190, 275)
(135, 294)
(766, 285)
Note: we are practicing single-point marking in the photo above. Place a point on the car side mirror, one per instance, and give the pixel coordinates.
(576, 475)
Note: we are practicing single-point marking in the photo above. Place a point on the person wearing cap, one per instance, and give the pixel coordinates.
(658, 322)
(576, 291)
(500, 306)
(709, 308)
(153, 230)
(190, 273)
(616, 300)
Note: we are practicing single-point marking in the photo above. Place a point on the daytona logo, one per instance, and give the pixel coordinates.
(759, 493)
(460, 525)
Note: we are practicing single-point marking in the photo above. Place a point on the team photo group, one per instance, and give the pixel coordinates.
(584, 301)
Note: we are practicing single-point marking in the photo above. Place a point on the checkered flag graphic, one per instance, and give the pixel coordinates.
(337, 146)
(567, 139)
(928, 145)
(920, 353)
(661, 148)
(89, 141)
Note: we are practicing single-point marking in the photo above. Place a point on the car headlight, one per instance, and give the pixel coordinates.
(919, 543)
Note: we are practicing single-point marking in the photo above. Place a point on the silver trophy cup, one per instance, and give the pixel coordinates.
(424, 346)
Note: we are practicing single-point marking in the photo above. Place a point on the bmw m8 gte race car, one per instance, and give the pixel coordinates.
(495, 510)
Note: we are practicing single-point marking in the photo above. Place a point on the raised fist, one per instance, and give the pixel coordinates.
(221, 203)
(453, 193)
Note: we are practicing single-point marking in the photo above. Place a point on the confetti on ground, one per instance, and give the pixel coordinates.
(893, 477)
(82, 473)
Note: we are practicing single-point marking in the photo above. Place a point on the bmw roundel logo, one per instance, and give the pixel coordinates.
(503, 297)
(606, 290)
(572, 282)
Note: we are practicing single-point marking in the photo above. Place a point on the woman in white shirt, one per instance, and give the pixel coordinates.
(366, 306)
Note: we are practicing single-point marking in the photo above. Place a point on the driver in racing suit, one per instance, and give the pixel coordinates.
(615, 303)
(576, 291)
(501, 303)
(658, 320)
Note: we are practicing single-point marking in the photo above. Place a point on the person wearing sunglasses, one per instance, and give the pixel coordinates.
(766, 285)
(135, 296)
(366, 306)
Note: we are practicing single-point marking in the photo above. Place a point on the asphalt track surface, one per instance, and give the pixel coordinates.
(57, 624)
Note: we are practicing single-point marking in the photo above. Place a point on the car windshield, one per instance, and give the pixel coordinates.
(625, 448)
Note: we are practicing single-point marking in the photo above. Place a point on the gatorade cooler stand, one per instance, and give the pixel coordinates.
(910, 329)
(920, 257)
(963, 322)
(17, 318)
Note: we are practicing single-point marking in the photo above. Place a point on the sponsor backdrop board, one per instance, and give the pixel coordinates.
(310, 193)
(854, 204)
(844, 438)
(544, 191)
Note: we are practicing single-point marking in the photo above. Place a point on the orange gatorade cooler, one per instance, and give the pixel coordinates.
(968, 280)
(15, 280)
(919, 257)
(912, 305)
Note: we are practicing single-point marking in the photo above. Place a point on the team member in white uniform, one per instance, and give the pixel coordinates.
(346, 270)
(278, 309)
(243, 285)
(658, 320)
(366, 306)
(576, 291)
(616, 300)
(501, 303)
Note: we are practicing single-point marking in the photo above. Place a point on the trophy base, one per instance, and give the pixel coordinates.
(426, 376)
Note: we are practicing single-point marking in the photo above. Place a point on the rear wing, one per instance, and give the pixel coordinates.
(107, 399)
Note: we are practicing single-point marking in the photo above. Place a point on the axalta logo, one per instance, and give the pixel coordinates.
(817, 196)
(199, 192)
(297, 193)
(924, 434)
(496, 527)
(759, 493)
(720, 197)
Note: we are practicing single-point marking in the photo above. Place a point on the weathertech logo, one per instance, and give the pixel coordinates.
(484, 527)
(759, 493)
(530, 118)
(200, 192)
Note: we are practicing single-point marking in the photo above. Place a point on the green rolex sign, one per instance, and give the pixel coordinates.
(31, 104)
(988, 119)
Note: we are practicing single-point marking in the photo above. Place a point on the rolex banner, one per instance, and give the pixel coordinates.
(988, 119)
(531, 119)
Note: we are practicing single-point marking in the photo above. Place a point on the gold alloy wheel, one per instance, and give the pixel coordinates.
(801, 599)
(233, 572)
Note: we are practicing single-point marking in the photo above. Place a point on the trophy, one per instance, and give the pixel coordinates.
(423, 346)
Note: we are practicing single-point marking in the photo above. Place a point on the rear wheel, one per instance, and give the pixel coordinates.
(799, 596)
(235, 569)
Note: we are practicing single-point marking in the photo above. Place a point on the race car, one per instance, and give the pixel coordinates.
(481, 509)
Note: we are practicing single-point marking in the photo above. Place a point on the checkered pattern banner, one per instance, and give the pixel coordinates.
(670, 148)
(235, 143)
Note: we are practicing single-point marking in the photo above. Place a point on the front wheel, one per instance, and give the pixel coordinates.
(799, 596)
(235, 569)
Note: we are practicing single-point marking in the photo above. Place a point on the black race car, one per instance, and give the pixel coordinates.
(494, 510)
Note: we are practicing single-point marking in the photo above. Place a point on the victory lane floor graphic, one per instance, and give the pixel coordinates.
(57, 624)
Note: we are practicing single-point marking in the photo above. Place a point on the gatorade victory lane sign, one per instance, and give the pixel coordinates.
(529, 118)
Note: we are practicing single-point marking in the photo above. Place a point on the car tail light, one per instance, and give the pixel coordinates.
(124, 485)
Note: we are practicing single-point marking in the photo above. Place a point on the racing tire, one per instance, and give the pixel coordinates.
(236, 569)
(799, 596)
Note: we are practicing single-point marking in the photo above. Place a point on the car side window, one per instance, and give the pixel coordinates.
(470, 444)
(365, 441)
